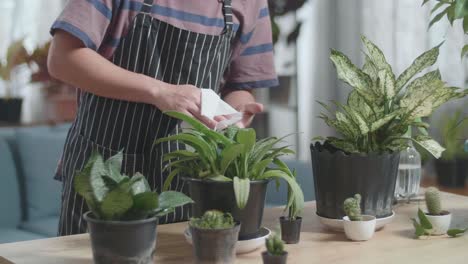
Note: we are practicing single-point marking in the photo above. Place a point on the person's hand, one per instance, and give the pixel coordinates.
(185, 99)
(248, 111)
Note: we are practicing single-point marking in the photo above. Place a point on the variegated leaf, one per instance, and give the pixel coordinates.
(422, 100)
(348, 72)
(386, 82)
(357, 119)
(377, 56)
(344, 145)
(370, 69)
(356, 102)
(346, 124)
(424, 80)
(425, 60)
(430, 145)
(383, 121)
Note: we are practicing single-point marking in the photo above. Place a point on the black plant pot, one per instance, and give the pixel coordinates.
(451, 173)
(290, 229)
(338, 175)
(122, 242)
(214, 246)
(10, 110)
(210, 195)
(274, 259)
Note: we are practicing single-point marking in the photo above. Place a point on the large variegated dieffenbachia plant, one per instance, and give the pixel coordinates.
(382, 107)
(233, 155)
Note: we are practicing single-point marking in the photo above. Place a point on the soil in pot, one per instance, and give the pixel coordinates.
(451, 173)
(338, 175)
(210, 195)
(10, 110)
(215, 246)
(290, 229)
(274, 259)
(122, 242)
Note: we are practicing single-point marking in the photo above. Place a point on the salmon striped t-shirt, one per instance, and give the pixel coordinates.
(101, 25)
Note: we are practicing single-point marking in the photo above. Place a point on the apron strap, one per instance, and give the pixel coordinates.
(147, 6)
(227, 11)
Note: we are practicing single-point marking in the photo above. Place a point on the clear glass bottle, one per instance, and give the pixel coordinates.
(409, 174)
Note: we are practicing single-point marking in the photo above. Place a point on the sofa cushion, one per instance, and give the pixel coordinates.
(46, 226)
(39, 152)
(304, 178)
(8, 235)
(10, 203)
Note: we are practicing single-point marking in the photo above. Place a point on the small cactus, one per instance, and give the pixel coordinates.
(213, 219)
(352, 208)
(433, 203)
(274, 245)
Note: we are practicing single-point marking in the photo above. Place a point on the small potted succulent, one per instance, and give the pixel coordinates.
(124, 211)
(440, 219)
(229, 171)
(275, 253)
(290, 224)
(214, 237)
(357, 227)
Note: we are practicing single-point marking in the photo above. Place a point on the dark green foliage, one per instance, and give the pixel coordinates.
(213, 219)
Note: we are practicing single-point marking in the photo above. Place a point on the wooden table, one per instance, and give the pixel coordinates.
(393, 244)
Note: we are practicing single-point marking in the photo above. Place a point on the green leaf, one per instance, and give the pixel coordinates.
(451, 14)
(430, 145)
(383, 121)
(461, 9)
(229, 154)
(456, 232)
(259, 167)
(439, 16)
(349, 73)
(139, 184)
(465, 25)
(98, 185)
(358, 103)
(145, 202)
(115, 204)
(437, 6)
(180, 154)
(241, 191)
(419, 230)
(370, 69)
(246, 137)
(206, 151)
(220, 178)
(377, 57)
(114, 166)
(425, 60)
(169, 179)
(170, 200)
(425, 2)
(425, 223)
(387, 85)
(464, 51)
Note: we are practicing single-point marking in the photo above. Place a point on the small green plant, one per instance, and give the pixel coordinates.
(274, 245)
(381, 107)
(453, 130)
(16, 55)
(213, 219)
(113, 196)
(433, 203)
(352, 207)
(232, 155)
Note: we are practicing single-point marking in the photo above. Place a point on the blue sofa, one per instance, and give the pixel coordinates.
(30, 197)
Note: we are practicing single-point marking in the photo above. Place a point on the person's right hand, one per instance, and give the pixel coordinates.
(185, 99)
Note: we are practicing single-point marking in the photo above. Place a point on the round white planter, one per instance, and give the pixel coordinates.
(440, 223)
(359, 230)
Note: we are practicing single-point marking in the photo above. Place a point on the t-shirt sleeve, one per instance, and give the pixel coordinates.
(252, 65)
(87, 20)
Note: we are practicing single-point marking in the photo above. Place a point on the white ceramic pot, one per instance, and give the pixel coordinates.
(359, 230)
(440, 223)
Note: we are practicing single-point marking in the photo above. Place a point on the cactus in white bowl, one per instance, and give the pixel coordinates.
(357, 227)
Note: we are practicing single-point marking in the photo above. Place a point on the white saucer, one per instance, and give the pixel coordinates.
(242, 246)
(337, 224)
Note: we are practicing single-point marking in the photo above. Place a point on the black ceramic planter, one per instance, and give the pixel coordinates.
(338, 175)
(210, 195)
(274, 259)
(214, 246)
(290, 229)
(10, 110)
(122, 242)
(451, 173)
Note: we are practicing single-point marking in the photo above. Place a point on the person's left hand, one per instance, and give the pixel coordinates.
(248, 110)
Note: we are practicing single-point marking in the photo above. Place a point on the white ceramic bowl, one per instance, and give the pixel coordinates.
(242, 246)
(359, 230)
(440, 223)
(337, 224)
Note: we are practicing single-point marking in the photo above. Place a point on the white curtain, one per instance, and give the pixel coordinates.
(399, 27)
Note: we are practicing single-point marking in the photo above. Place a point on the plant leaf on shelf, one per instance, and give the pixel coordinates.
(456, 232)
(425, 223)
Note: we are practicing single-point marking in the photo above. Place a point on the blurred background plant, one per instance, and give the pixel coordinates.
(16, 55)
(279, 8)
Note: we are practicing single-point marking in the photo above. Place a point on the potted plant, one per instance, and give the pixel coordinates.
(124, 211)
(10, 105)
(372, 125)
(214, 237)
(229, 171)
(452, 167)
(290, 224)
(357, 227)
(275, 253)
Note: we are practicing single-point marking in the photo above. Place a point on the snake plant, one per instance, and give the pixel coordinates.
(381, 107)
(233, 155)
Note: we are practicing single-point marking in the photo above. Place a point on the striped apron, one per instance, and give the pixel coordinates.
(165, 52)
